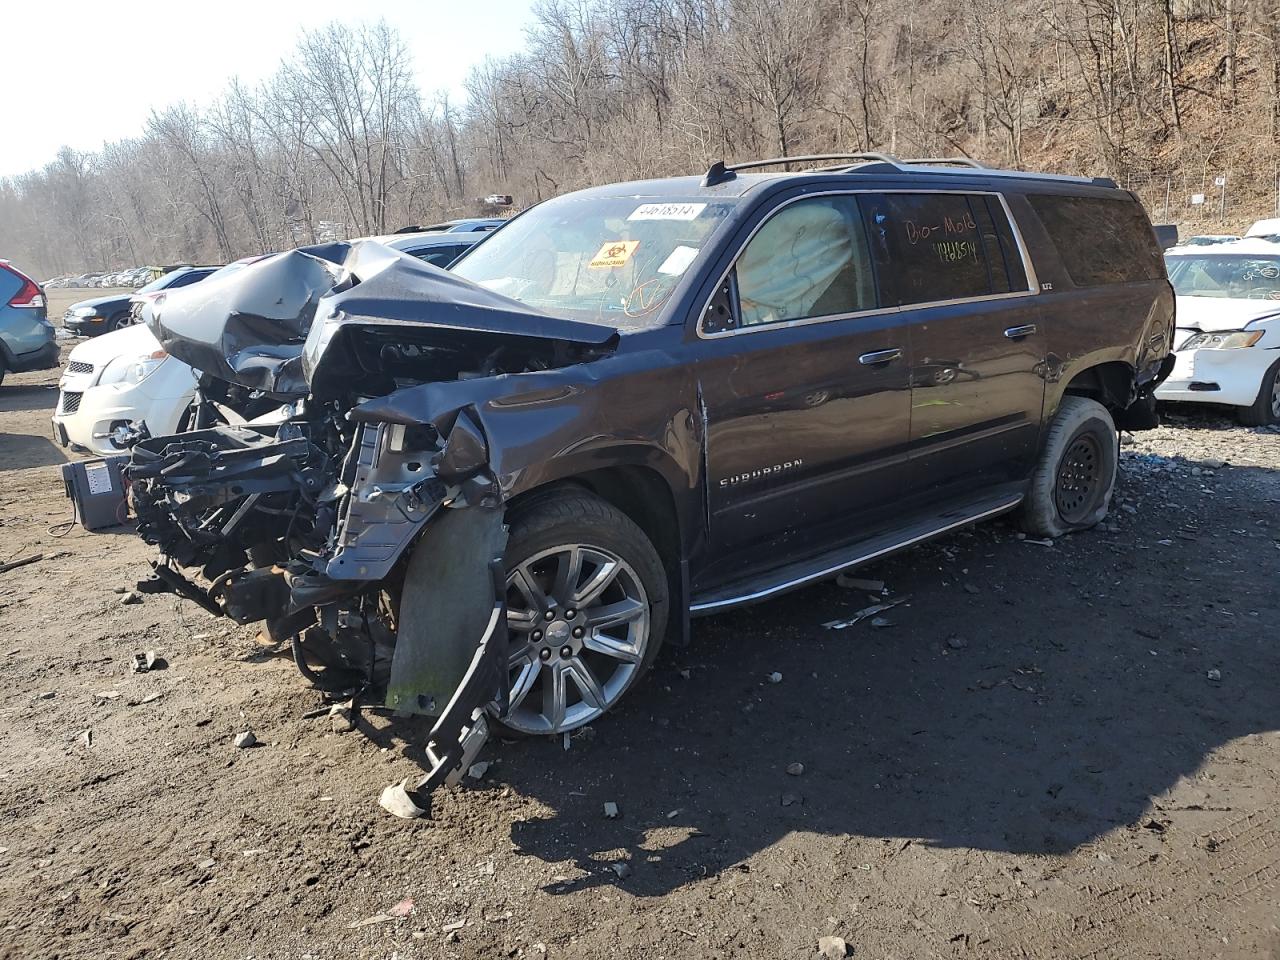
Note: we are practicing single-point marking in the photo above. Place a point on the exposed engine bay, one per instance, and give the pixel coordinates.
(374, 473)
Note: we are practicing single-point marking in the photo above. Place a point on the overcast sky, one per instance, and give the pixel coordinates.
(83, 72)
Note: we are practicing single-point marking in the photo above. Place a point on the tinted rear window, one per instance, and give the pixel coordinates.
(1100, 241)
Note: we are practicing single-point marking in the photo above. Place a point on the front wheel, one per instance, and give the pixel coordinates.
(1266, 408)
(1073, 481)
(586, 611)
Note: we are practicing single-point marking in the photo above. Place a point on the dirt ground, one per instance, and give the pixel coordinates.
(1055, 751)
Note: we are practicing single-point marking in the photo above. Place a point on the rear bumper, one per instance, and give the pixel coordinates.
(45, 358)
(1231, 377)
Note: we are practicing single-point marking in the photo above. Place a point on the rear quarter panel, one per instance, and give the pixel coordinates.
(1130, 323)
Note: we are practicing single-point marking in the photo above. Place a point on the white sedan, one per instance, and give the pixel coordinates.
(114, 381)
(1227, 345)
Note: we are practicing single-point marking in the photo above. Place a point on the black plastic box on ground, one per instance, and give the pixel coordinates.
(96, 487)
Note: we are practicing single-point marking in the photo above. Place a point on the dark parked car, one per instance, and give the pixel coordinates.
(437, 249)
(26, 336)
(507, 484)
(98, 315)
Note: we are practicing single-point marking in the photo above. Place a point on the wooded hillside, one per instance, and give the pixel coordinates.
(1163, 95)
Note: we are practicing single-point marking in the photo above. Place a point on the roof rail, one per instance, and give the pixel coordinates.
(719, 172)
(954, 161)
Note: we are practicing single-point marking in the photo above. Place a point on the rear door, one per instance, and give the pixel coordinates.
(954, 265)
(804, 384)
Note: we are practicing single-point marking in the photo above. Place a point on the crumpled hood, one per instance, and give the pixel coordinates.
(406, 299)
(247, 326)
(1220, 313)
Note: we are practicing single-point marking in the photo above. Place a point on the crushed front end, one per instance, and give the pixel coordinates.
(363, 524)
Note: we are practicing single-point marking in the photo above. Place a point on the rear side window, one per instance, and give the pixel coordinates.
(809, 259)
(1100, 241)
(940, 246)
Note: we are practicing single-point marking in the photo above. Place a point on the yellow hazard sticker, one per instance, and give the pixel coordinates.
(614, 254)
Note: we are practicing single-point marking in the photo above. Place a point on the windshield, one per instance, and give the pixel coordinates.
(612, 260)
(1233, 277)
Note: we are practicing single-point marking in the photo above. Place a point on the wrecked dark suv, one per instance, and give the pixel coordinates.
(490, 494)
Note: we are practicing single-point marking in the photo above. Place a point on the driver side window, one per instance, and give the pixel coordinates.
(809, 259)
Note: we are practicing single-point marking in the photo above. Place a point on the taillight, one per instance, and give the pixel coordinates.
(29, 294)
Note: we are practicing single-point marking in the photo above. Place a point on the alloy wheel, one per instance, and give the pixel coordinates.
(578, 618)
(1275, 397)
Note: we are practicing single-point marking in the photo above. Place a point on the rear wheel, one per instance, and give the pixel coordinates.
(586, 611)
(1266, 407)
(1072, 484)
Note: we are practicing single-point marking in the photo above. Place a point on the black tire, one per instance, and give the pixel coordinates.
(117, 321)
(2, 371)
(1266, 407)
(1073, 481)
(575, 516)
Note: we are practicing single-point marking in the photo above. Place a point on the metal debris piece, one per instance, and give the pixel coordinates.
(86, 739)
(396, 801)
(1214, 674)
(342, 717)
(881, 622)
(775, 677)
(795, 769)
(145, 662)
(478, 770)
(865, 612)
(611, 810)
(622, 869)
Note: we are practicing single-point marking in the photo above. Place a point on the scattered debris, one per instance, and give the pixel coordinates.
(146, 662)
(396, 801)
(86, 738)
(832, 948)
(672, 814)
(130, 598)
(865, 612)
(957, 643)
(686, 673)
(149, 698)
(15, 564)
(567, 740)
(108, 694)
(342, 717)
(47, 695)
(1215, 674)
(245, 740)
(477, 770)
(454, 925)
(791, 799)
(1040, 543)
(622, 869)
(858, 583)
(881, 622)
(969, 588)
(403, 908)
(775, 677)
(206, 864)
(795, 769)
(369, 921)
(611, 810)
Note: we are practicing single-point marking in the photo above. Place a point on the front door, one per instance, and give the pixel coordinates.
(805, 390)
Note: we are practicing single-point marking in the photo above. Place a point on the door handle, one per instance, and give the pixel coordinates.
(880, 356)
(1017, 333)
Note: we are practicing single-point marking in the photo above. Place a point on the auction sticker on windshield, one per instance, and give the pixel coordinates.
(614, 254)
(667, 211)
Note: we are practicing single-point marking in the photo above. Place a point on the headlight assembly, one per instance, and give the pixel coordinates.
(132, 370)
(1223, 340)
